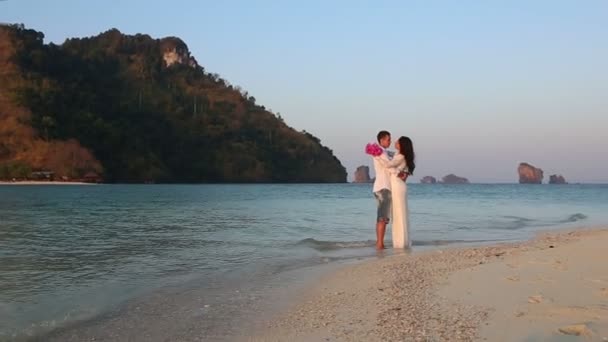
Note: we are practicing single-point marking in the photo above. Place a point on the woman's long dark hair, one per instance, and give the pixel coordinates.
(407, 149)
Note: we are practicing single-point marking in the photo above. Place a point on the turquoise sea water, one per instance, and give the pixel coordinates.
(71, 254)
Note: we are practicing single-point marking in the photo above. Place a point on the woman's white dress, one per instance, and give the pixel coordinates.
(400, 225)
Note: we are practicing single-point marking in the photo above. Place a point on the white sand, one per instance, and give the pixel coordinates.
(513, 292)
(534, 294)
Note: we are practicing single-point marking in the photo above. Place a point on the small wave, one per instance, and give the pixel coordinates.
(517, 222)
(333, 245)
(447, 242)
(512, 223)
(574, 218)
(518, 218)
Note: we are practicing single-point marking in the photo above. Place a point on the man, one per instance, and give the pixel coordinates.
(382, 190)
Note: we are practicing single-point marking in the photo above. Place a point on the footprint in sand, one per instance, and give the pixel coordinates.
(576, 330)
(603, 292)
(542, 279)
(539, 262)
(535, 299)
(596, 281)
(559, 265)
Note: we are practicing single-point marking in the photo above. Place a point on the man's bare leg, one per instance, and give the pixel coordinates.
(380, 229)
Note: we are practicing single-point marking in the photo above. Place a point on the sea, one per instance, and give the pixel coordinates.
(204, 262)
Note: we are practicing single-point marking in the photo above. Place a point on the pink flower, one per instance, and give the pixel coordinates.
(373, 149)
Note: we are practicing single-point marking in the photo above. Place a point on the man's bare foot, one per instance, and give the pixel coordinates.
(380, 247)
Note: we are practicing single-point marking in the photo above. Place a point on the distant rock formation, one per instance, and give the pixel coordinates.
(428, 180)
(453, 179)
(529, 174)
(362, 175)
(557, 179)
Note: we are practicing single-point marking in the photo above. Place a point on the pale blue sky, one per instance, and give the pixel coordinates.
(478, 85)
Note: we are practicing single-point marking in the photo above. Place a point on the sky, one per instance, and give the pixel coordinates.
(479, 86)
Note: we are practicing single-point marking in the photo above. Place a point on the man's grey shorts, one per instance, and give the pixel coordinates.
(384, 205)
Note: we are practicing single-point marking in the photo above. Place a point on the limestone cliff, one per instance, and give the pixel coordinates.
(428, 180)
(528, 174)
(453, 179)
(175, 51)
(362, 175)
(557, 179)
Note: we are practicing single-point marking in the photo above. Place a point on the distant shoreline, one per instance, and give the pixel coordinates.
(44, 183)
(255, 183)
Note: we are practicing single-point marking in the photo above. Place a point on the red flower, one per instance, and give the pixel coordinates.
(373, 149)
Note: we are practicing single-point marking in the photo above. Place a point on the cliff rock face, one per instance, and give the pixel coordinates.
(175, 51)
(428, 180)
(557, 179)
(453, 179)
(362, 175)
(529, 174)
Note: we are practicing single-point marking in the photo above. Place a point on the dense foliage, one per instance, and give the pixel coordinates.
(147, 111)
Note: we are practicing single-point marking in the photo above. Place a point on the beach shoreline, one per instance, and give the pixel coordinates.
(44, 183)
(502, 292)
(422, 295)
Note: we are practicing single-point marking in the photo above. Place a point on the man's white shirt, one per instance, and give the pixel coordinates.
(382, 175)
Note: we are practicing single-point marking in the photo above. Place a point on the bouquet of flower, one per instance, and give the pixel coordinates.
(373, 149)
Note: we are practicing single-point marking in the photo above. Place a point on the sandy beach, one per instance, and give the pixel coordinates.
(552, 288)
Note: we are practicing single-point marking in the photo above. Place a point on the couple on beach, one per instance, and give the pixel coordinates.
(390, 189)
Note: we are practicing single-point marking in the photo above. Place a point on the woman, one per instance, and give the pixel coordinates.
(402, 162)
